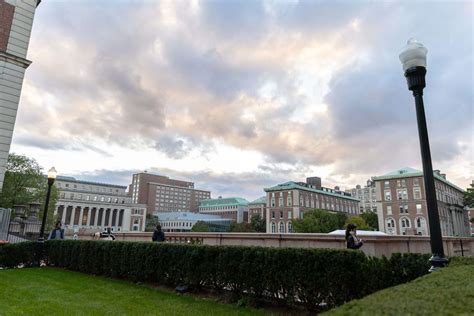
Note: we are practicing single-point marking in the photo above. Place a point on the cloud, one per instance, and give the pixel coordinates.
(312, 84)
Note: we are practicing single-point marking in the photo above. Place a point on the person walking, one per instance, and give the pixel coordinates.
(353, 242)
(57, 232)
(158, 234)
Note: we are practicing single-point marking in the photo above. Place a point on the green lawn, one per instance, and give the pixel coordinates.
(447, 292)
(49, 291)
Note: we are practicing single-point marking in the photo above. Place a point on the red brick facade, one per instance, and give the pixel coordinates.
(6, 18)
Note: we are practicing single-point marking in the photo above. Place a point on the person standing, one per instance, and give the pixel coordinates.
(353, 242)
(57, 232)
(158, 234)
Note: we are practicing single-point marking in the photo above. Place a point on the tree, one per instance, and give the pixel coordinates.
(200, 226)
(469, 196)
(240, 228)
(319, 221)
(151, 222)
(371, 219)
(24, 183)
(258, 223)
(358, 221)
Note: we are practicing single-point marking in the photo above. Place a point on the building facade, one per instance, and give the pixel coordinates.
(470, 211)
(367, 197)
(92, 206)
(16, 20)
(162, 194)
(401, 204)
(233, 208)
(184, 221)
(290, 200)
(258, 206)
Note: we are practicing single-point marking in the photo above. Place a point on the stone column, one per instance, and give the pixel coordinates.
(96, 217)
(63, 217)
(81, 213)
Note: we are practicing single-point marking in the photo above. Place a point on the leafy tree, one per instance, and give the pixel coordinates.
(319, 221)
(358, 221)
(258, 223)
(240, 228)
(469, 196)
(151, 222)
(200, 226)
(24, 183)
(371, 219)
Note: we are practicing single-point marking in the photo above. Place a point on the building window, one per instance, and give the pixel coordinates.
(402, 194)
(272, 203)
(388, 195)
(273, 227)
(290, 227)
(280, 200)
(282, 227)
(387, 184)
(405, 222)
(418, 209)
(416, 182)
(301, 200)
(273, 214)
(281, 214)
(403, 209)
(389, 210)
(288, 200)
(416, 193)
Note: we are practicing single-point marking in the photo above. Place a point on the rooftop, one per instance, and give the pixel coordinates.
(72, 179)
(300, 186)
(260, 200)
(231, 201)
(187, 216)
(408, 172)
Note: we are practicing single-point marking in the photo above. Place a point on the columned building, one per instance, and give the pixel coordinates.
(290, 200)
(401, 204)
(16, 20)
(92, 206)
(258, 207)
(162, 194)
(233, 208)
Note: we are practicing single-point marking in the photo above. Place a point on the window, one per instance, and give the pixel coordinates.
(416, 193)
(418, 209)
(402, 194)
(306, 202)
(273, 214)
(282, 227)
(281, 214)
(416, 182)
(388, 195)
(405, 222)
(280, 200)
(403, 209)
(387, 184)
(290, 227)
(301, 200)
(273, 228)
(288, 200)
(272, 203)
(289, 214)
(389, 210)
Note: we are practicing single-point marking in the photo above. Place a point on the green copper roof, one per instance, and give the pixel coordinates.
(408, 172)
(232, 201)
(293, 185)
(260, 200)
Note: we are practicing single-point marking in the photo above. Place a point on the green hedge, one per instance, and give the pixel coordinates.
(313, 277)
(18, 255)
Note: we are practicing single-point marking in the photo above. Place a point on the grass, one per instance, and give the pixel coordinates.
(49, 291)
(447, 292)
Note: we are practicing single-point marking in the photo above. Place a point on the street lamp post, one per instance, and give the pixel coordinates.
(51, 177)
(413, 58)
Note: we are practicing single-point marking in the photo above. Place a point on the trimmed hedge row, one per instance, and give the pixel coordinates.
(18, 255)
(283, 275)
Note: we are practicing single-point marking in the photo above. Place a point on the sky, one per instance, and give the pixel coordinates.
(237, 96)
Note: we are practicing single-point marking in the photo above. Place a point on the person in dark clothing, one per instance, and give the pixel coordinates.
(353, 242)
(158, 234)
(57, 232)
(107, 234)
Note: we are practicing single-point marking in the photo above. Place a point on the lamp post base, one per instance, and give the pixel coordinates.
(437, 262)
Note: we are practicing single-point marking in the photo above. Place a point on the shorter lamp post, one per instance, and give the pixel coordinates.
(51, 177)
(413, 58)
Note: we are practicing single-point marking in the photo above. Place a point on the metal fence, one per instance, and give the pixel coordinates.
(18, 229)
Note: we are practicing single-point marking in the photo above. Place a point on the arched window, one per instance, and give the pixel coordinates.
(290, 227)
(390, 226)
(273, 227)
(282, 227)
(405, 222)
(421, 228)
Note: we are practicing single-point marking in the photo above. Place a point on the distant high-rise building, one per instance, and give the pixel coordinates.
(16, 20)
(162, 194)
(367, 197)
(401, 204)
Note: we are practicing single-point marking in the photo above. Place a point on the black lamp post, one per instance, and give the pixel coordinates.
(51, 177)
(413, 58)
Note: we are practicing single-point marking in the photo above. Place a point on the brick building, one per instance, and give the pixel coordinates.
(258, 206)
(16, 20)
(93, 206)
(291, 200)
(401, 204)
(162, 194)
(233, 208)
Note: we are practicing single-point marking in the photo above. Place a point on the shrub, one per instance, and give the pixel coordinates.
(283, 275)
(18, 255)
